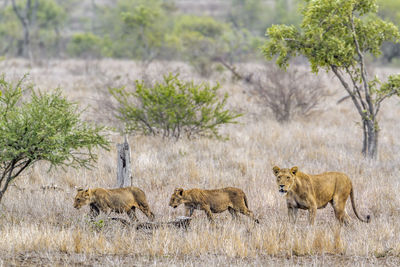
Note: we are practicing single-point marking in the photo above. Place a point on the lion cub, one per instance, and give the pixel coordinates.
(312, 192)
(119, 200)
(212, 201)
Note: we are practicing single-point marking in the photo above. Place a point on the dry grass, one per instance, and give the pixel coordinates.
(39, 226)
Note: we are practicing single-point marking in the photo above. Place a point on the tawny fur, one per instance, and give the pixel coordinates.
(120, 200)
(312, 192)
(212, 201)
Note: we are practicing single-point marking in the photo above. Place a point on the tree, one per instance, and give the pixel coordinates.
(45, 128)
(337, 36)
(27, 17)
(173, 108)
(38, 18)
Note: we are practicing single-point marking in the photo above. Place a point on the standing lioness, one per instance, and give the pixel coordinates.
(312, 192)
(119, 200)
(212, 201)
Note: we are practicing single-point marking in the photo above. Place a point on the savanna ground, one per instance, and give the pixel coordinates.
(38, 224)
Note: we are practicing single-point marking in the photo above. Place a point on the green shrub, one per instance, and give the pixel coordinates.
(173, 108)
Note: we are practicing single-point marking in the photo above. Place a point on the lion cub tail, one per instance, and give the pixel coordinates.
(353, 204)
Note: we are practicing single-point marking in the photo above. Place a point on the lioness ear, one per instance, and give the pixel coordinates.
(179, 191)
(79, 189)
(294, 170)
(276, 170)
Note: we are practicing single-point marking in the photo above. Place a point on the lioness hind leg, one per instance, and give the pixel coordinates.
(132, 214)
(146, 210)
(247, 212)
(340, 212)
(208, 212)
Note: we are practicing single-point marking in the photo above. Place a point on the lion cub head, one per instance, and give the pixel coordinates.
(82, 198)
(285, 178)
(176, 198)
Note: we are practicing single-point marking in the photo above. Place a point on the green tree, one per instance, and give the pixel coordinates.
(173, 108)
(336, 36)
(41, 21)
(47, 127)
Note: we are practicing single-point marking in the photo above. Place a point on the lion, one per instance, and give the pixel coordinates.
(312, 192)
(212, 201)
(119, 200)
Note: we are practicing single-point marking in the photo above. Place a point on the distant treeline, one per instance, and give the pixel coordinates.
(196, 31)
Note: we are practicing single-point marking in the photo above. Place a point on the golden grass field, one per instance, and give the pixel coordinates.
(40, 226)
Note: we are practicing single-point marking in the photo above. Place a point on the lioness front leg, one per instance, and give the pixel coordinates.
(292, 213)
(312, 211)
(189, 210)
(94, 211)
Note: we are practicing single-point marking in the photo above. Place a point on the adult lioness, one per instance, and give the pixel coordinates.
(212, 201)
(312, 192)
(119, 200)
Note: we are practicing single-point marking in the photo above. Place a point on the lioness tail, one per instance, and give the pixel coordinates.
(353, 204)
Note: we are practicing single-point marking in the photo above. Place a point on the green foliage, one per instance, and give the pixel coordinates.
(45, 127)
(85, 45)
(173, 108)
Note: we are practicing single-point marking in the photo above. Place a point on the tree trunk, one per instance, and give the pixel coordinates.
(124, 173)
(370, 142)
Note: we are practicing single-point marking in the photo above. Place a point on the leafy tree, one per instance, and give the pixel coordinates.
(173, 108)
(38, 18)
(46, 127)
(336, 36)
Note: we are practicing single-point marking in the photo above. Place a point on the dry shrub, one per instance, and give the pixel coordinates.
(290, 93)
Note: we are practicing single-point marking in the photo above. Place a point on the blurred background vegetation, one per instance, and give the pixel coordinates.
(199, 32)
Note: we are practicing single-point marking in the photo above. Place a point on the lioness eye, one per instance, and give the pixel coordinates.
(287, 178)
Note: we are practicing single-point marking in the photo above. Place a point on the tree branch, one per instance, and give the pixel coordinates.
(364, 74)
(347, 88)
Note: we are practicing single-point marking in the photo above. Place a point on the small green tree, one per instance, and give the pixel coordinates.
(336, 36)
(47, 127)
(173, 108)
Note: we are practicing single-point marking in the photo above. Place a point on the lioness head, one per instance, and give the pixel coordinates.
(176, 198)
(285, 178)
(82, 198)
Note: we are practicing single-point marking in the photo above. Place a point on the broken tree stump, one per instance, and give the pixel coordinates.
(124, 172)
